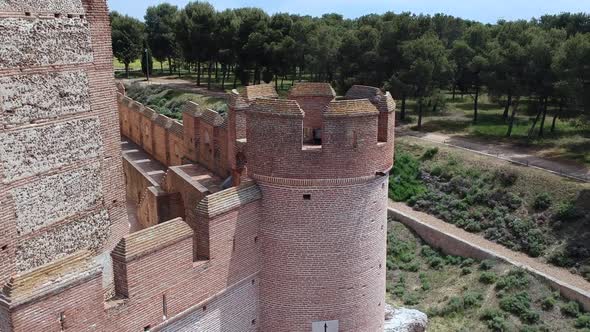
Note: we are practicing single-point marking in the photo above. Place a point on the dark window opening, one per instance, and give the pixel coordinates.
(204, 308)
(27, 14)
(70, 16)
(317, 137)
(307, 197)
(254, 322)
(253, 281)
(81, 16)
(57, 15)
(233, 246)
(164, 306)
(256, 239)
(147, 328)
(4, 247)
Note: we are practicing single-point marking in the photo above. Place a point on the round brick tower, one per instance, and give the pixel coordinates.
(324, 225)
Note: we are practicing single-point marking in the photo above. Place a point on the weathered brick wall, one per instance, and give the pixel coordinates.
(61, 180)
(349, 145)
(202, 138)
(323, 257)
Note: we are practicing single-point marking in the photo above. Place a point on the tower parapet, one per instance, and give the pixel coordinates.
(356, 138)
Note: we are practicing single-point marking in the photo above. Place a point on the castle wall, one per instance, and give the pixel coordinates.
(323, 258)
(81, 306)
(349, 145)
(201, 140)
(61, 185)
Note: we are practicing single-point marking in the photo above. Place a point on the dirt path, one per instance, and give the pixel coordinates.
(507, 152)
(563, 276)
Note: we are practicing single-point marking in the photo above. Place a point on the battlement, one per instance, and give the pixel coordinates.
(353, 135)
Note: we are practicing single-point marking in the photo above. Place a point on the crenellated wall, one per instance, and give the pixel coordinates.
(201, 138)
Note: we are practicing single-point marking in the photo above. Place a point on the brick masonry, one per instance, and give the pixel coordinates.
(292, 242)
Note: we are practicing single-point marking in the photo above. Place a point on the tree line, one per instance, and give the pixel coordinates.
(418, 57)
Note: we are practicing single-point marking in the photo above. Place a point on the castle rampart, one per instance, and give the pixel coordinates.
(297, 235)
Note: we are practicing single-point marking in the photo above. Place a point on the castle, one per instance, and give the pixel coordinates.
(272, 218)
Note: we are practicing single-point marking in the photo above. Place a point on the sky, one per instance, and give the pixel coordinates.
(487, 11)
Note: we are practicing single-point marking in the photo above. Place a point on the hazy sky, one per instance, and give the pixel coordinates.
(488, 11)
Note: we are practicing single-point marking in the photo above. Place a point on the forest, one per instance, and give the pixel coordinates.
(422, 58)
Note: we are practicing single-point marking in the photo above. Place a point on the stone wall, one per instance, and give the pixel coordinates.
(61, 179)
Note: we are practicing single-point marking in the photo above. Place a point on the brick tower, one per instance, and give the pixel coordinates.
(324, 206)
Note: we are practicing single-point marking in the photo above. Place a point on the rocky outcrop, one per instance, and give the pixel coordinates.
(404, 320)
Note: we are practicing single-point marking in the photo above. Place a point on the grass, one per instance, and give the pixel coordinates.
(523, 209)
(169, 102)
(458, 301)
(571, 139)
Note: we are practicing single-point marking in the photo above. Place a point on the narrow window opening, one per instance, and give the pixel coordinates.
(70, 16)
(256, 239)
(253, 281)
(164, 307)
(254, 322)
(147, 328)
(204, 308)
(81, 16)
(27, 14)
(233, 246)
(57, 15)
(4, 247)
(307, 197)
(62, 320)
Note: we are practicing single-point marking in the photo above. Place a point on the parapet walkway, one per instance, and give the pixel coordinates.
(454, 240)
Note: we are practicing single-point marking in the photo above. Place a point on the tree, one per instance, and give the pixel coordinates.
(128, 39)
(426, 67)
(572, 66)
(195, 27)
(161, 39)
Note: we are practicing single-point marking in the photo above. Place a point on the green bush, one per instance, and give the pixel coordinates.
(465, 271)
(486, 265)
(520, 305)
(548, 303)
(514, 280)
(411, 299)
(404, 180)
(542, 202)
(566, 212)
(472, 299)
(495, 320)
(583, 321)
(571, 309)
(430, 153)
(488, 277)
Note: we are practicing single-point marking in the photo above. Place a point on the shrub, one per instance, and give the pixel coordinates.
(566, 212)
(542, 202)
(561, 259)
(411, 299)
(506, 178)
(486, 265)
(455, 305)
(495, 320)
(583, 321)
(405, 181)
(472, 299)
(548, 303)
(436, 263)
(465, 271)
(520, 305)
(487, 277)
(513, 280)
(430, 153)
(425, 282)
(571, 309)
